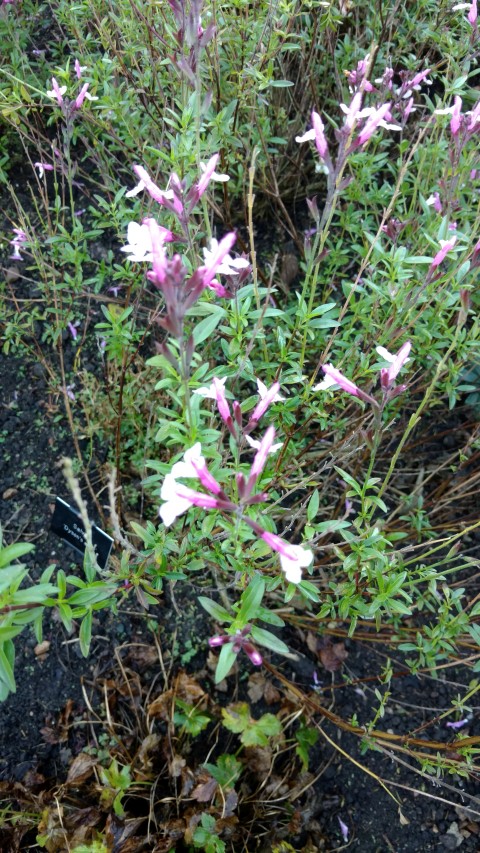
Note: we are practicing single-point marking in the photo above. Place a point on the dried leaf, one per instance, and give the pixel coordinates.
(187, 689)
(58, 732)
(188, 781)
(80, 769)
(271, 694)
(142, 655)
(228, 822)
(256, 686)
(332, 656)
(149, 744)
(204, 791)
(259, 760)
(41, 649)
(176, 765)
(9, 493)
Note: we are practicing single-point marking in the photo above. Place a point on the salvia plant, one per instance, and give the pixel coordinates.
(266, 417)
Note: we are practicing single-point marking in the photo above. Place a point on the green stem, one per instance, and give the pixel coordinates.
(417, 415)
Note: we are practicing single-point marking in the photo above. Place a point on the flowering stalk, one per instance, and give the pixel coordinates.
(178, 498)
(333, 377)
(359, 120)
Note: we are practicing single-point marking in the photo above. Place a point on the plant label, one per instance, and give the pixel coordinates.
(68, 525)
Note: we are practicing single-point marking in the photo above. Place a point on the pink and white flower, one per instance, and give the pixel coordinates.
(42, 168)
(179, 498)
(167, 198)
(83, 93)
(194, 466)
(256, 444)
(228, 265)
(435, 201)
(216, 391)
(316, 134)
(258, 464)
(396, 362)
(336, 377)
(445, 247)
(239, 641)
(209, 174)
(293, 558)
(379, 117)
(267, 397)
(472, 11)
(455, 111)
(57, 92)
(19, 239)
(139, 238)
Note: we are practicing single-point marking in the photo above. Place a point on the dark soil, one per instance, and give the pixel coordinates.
(44, 725)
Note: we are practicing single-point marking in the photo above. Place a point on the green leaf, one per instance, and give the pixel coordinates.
(205, 327)
(226, 660)
(269, 640)
(85, 633)
(226, 771)
(192, 720)
(236, 718)
(7, 659)
(349, 479)
(313, 504)
(14, 552)
(97, 591)
(11, 576)
(269, 725)
(474, 631)
(251, 599)
(306, 737)
(215, 610)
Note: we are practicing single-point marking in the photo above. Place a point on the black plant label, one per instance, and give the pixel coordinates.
(68, 525)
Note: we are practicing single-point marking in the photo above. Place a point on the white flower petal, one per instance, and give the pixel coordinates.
(385, 354)
(292, 564)
(256, 444)
(208, 391)
(309, 135)
(263, 391)
(326, 383)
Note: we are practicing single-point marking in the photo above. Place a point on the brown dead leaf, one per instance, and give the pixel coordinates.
(32, 779)
(185, 688)
(259, 760)
(142, 656)
(302, 781)
(176, 765)
(188, 781)
(271, 694)
(332, 656)
(118, 835)
(9, 493)
(228, 808)
(80, 769)
(276, 787)
(188, 689)
(41, 649)
(149, 745)
(57, 732)
(205, 789)
(228, 824)
(256, 686)
(312, 642)
(260, 687)
(175, 829)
